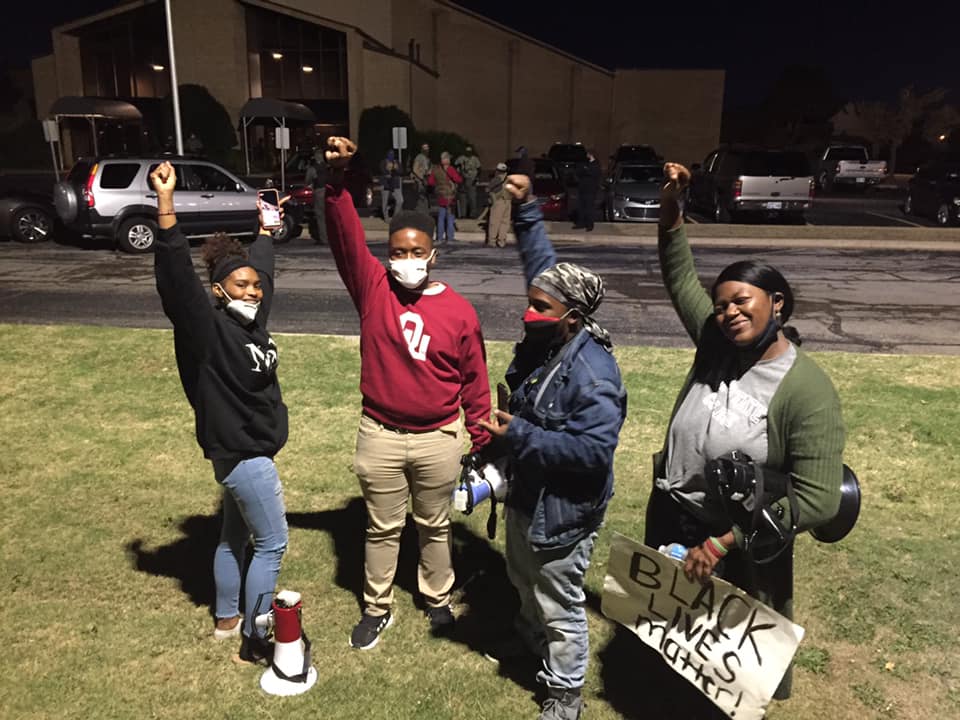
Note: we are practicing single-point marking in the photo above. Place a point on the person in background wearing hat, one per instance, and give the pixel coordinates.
(316, 177)
(500, 200)
(419, 171)
(422, 360)
(469, 166)
(566, 408)
(228, 367)
(390, 185)
(751, 389)
(445, 178)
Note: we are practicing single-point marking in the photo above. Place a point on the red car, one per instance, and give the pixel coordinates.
(552, 196)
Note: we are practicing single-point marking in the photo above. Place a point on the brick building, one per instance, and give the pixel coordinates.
(449, 68)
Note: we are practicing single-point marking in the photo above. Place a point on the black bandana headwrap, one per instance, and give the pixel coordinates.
(227, 265)
(579, 289)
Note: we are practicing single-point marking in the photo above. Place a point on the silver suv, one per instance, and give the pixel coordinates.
(111, 197)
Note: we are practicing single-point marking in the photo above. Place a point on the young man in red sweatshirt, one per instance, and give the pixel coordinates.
(422, 359)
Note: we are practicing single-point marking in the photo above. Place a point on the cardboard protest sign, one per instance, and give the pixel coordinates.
(730, 646)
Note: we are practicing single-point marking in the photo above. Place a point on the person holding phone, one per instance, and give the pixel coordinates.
(567, 406)
(422, 360)
(269, 209)
(228, 368)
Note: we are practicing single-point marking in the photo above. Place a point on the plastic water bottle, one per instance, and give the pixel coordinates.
(674, 550)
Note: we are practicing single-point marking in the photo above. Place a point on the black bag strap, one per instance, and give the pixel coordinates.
(300, 677)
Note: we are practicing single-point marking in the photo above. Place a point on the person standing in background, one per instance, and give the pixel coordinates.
(445, 178)
(316, 176)
(390, 185)
(588, 185)
(419, 172)
(469, 166)
(498, 219)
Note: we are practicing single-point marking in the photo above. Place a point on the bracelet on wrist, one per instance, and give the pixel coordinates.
(716, 548)
(170, 212)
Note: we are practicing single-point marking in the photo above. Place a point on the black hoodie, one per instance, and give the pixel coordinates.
(228, 370)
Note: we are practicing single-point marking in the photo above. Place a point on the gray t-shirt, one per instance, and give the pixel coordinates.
(709, 424)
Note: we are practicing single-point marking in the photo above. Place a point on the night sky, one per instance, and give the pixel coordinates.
(869, 49)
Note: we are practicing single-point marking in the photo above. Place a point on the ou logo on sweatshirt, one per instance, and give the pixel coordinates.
(412, 326)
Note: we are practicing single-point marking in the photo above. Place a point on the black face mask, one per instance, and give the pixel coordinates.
(767, 337)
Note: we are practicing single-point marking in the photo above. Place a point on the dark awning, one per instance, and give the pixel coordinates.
(271, 107)
(94, 107)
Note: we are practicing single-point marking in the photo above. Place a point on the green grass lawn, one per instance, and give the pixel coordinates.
(109, 523)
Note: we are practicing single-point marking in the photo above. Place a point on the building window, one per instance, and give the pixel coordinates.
(125, 55)
(296, 59)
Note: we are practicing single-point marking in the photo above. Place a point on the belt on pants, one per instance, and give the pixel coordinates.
(395, 429)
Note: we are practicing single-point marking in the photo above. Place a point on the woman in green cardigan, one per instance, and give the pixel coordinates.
(752, 390)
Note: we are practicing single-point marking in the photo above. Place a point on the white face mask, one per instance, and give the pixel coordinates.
(411, 272)
(243, 310)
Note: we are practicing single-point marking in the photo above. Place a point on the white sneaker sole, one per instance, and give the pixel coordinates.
(227, 634)
(372, 645)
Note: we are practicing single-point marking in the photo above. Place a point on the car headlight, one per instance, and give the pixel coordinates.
(956, 201)
(556, 198)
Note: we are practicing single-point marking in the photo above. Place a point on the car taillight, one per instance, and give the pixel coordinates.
(89, 191)
(737, 189)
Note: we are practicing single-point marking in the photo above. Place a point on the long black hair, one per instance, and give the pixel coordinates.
(717, 357)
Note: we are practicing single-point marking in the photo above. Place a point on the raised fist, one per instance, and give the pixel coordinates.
(518, 186)
(676, 180)
(339, 151)
(163, 178)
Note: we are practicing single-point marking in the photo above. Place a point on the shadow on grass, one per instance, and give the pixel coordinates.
(638, 684)
(189, 559)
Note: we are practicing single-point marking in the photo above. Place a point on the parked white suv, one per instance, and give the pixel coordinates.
(111, 197)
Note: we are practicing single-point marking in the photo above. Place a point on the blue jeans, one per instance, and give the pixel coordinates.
(252, 505)
(553, 619)
(445, 224)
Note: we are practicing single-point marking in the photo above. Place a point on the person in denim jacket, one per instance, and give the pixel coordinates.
(567, 405)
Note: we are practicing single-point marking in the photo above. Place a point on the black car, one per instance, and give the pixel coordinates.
(27, 218)
(934, 192)
(568, 158)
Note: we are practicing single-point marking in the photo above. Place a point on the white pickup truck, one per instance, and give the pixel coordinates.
(849, 165)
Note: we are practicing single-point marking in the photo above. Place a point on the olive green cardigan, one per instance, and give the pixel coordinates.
(805, 431)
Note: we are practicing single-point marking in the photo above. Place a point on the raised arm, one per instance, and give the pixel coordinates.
(185, 300)
(262, 259)
(690, 299)
(357, 266)
(536, 250)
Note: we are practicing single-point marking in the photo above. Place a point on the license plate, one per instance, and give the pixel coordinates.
(861, 180)
(773, 205)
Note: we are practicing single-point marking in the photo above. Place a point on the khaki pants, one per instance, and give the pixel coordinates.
(393, 466)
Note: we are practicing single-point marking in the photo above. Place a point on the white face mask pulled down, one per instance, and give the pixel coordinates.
(243, 310)
(411, 272)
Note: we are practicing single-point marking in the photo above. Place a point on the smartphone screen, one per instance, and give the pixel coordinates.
(269, 208)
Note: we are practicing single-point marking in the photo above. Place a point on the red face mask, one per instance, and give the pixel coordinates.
(531, 318)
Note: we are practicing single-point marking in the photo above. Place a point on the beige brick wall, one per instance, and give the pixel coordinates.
(217, 60)
(676, 111)
(44, 71)
(386, 80)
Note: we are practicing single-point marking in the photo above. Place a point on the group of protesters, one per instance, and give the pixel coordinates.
(426, 410)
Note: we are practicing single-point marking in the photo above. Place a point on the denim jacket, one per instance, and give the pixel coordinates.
(567, 417)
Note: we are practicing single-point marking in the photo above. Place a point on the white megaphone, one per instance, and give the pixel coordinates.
(290, 673)
(479, 483)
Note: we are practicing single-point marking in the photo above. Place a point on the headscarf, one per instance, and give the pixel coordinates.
(579, 289)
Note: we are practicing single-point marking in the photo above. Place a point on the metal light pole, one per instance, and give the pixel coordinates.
(175, 88)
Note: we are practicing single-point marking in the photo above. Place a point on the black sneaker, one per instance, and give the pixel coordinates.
(441, 620)
(256, 650)
(367, 632)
